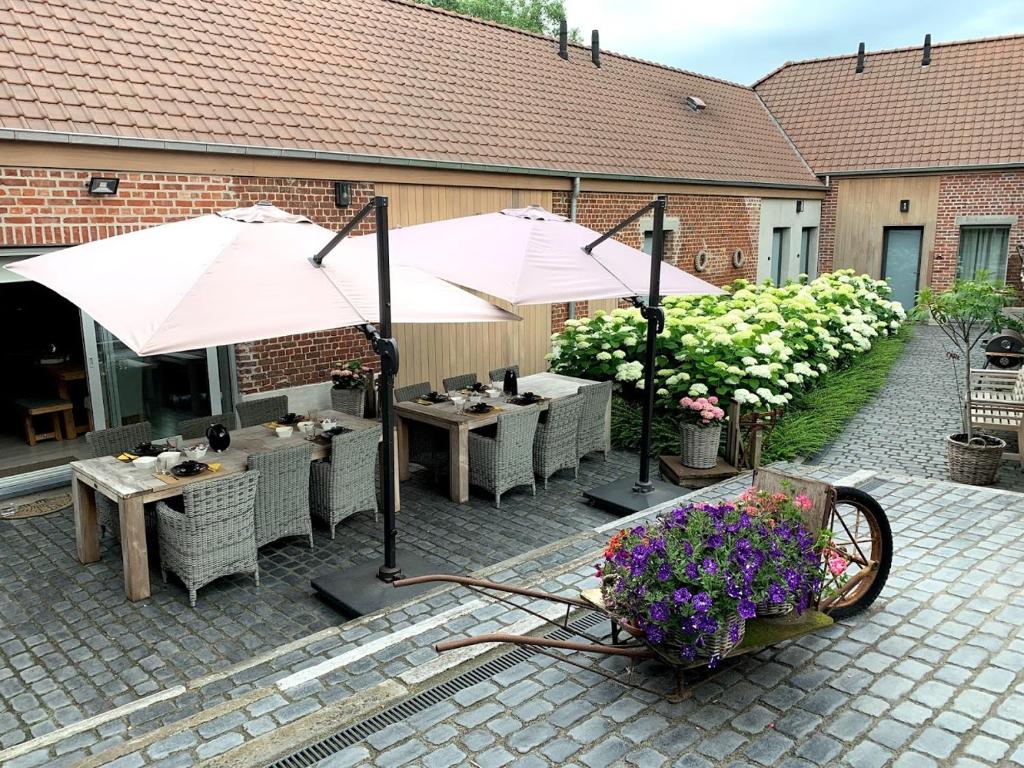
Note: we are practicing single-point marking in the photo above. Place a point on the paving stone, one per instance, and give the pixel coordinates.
(936, 742)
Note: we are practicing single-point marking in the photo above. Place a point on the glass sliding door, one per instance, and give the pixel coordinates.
(161, 389)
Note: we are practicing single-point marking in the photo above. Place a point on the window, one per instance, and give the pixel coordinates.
(982, 249)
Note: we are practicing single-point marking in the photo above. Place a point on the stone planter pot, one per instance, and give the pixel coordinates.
(350, 401)
(698, 446)
(975, 462)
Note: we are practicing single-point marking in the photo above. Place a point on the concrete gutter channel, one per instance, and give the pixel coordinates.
(328, 719)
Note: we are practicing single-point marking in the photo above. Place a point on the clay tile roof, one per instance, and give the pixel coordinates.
(965, 108)
(380, 78)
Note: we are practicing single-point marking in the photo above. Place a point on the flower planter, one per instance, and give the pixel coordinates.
(720, 643)
(975, 462)
(350, 400)
(698, 446)
(767, 610)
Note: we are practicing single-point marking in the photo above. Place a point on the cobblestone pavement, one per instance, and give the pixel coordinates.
(72, 647)
(904, 428)
(930, 676)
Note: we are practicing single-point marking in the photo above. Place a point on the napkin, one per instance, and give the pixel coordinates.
(126, 457)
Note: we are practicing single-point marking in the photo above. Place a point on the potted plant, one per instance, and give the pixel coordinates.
(348, 394)
(965, 313)
(700, 431)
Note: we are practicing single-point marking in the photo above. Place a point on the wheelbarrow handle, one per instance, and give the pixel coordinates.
(482, 584)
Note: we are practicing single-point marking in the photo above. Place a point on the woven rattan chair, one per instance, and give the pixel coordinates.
(190, 429)
(593, 435)
(214, 536)
(112, 442)
(498, 374)
(554, 447)
(253, 412)
(462, 381)
(345, 484)
(282, 497)
(506, 460)
(427, 444)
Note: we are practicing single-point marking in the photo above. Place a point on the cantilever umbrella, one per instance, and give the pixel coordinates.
(532, 256)
(236, 276)
(255, 273)
(529, 256)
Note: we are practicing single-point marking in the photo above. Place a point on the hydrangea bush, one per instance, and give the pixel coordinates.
(702, 567)
(757, 344)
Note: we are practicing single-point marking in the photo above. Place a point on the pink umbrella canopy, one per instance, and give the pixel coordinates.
(236, 276)
(528, 256)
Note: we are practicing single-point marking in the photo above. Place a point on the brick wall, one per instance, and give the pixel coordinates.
(717, 224)
(52, 207)
(827, 231)
(990, 193)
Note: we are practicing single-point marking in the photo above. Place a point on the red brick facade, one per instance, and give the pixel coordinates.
(992, 193)
(52, 208)
(827, 231)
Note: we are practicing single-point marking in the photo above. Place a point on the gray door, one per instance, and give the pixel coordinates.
(901, 262)
(780, 245)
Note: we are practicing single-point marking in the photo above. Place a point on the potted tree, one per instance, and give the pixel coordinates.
(965, 313)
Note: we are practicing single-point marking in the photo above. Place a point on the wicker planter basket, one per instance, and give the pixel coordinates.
(974, 463)
(719, 643)
(698, 446)
(350, 401)
(768, 609)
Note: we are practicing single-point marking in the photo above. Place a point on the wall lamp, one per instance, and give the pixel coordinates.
(342, 194)
(904, 206)
(799, 206)
(99, 185)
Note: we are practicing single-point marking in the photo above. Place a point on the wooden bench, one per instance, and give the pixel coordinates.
(55, 409)
(997, 405)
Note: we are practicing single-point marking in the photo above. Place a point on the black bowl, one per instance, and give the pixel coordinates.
(480, 408)
(148, 449)
(188, 468)
(289, 418)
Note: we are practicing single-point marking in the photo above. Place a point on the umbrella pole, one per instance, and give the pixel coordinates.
(623, 496)
(362, 589)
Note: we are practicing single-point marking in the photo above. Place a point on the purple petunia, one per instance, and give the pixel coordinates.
(702, 602)
(734, 633)
(776, 593)
(654, 634)
(688, 549)
(659, 611)
(664, 572)
(688, 652)
(691, 571)
(792, 578)
(706, 624)
(714, 541)
(709, 566)
(681, 595)
(746, 609)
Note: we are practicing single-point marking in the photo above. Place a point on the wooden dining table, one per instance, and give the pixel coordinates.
(132, 487)
(458, 425)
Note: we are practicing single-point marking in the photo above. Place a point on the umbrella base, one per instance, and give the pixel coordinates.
(357, 591)
(619, 498)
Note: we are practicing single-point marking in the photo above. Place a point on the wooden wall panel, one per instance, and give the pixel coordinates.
(432, 352)
(866, 206)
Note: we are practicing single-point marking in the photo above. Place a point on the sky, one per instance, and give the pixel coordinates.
(743, 40)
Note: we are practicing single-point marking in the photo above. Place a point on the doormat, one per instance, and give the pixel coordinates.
(23, 468)
(36, 508)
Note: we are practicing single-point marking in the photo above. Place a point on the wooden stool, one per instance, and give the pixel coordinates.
(55, 409)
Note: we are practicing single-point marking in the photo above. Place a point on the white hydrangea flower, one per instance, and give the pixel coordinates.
(618, 354)
(630, 371)
(697, 390)
(603, 356)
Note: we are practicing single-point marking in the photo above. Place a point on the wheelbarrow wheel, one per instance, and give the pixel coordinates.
(861, 533)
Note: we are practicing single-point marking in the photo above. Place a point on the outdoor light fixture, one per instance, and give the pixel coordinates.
(904, 206)
(342, 194)
(799, 206)
(103, 186)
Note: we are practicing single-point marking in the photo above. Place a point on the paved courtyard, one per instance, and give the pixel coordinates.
(904, 428)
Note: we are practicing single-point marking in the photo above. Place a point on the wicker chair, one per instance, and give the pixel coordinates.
(253, 412)
(427, 445)
(190, 429)
(282, 497)
(554, 447)
(462, 381)
(506, 460)
(214, 536)
(498, 374)
(112, 442)
(593, 435)
(345, 484)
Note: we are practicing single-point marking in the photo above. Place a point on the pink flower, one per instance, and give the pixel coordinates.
(685, 402)
(802, 502)
(837, 564)
(713, 400)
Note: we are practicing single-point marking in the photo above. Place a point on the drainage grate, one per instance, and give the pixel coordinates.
(403, 710)
(871, 484)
